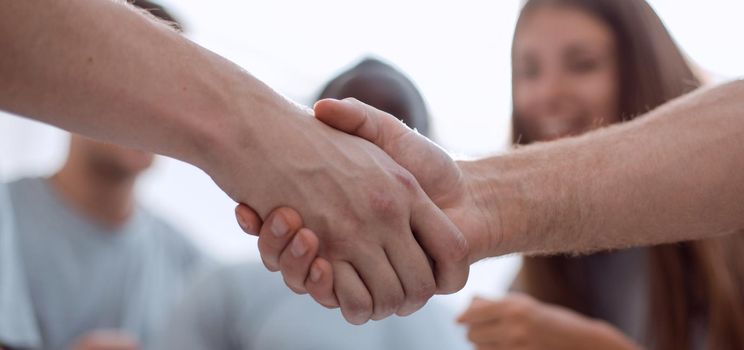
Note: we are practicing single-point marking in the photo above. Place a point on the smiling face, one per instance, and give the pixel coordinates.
(565, 74)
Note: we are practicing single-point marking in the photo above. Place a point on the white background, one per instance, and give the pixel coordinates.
(457, 54)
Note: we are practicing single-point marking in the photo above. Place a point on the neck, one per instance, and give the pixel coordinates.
(107, 200)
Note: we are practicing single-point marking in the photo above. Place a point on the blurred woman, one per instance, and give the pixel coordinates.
(579, 65)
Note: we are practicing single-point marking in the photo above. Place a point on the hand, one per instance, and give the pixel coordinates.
(303, 272)
(106, 340)
(440, 177)
(362, 206)
(518, 321)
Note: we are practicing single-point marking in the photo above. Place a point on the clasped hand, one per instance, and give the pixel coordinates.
(418, 238)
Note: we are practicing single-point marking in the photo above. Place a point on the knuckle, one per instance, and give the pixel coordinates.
(405, 179)
(394, 302)
(423, 292)
(383, 204)
(388, 306)
(291, 217)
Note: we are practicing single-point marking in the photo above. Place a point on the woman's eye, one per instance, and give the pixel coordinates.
(527, 72)
(583, 66)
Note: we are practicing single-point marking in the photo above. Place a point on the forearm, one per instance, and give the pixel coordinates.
(97, 68)
(674, 174)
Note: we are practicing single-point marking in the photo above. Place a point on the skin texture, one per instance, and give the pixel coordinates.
(674, 174)
(122, 77)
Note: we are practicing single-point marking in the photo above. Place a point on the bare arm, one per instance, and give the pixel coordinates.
(675, 174)
(97, 68)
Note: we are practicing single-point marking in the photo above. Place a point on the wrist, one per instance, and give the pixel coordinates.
(495, 205)
(247, 127)
(209, 111)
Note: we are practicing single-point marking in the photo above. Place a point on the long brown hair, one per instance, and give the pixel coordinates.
(687, 280)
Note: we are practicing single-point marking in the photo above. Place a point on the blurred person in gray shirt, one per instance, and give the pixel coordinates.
(97, 267)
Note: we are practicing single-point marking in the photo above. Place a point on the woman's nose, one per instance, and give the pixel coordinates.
(550, 89)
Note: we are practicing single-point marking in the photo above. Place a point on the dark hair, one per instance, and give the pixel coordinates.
(380, 85)
(159, 12)
(700, 278)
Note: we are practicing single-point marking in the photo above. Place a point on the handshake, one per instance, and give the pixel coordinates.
(367, 214)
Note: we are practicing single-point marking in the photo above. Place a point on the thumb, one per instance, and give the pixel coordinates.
(431, 165)
(356, 118)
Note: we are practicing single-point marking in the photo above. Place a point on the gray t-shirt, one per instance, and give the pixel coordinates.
(246, 307)
(17, 324)
(82, 276)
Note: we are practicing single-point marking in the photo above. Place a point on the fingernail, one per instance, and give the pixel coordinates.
(299, 248)
(315, 274)
(279, 226)
(245, 226)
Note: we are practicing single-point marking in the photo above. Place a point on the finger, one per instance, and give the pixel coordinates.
(482, 311)
(356, 118)
(414, 271)
(491, 333)
(444, 243)
(278, 230)
(382, 282)
(355, 300)
(319, 283)
(407, 147)
(248, 219)
(296, 259)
